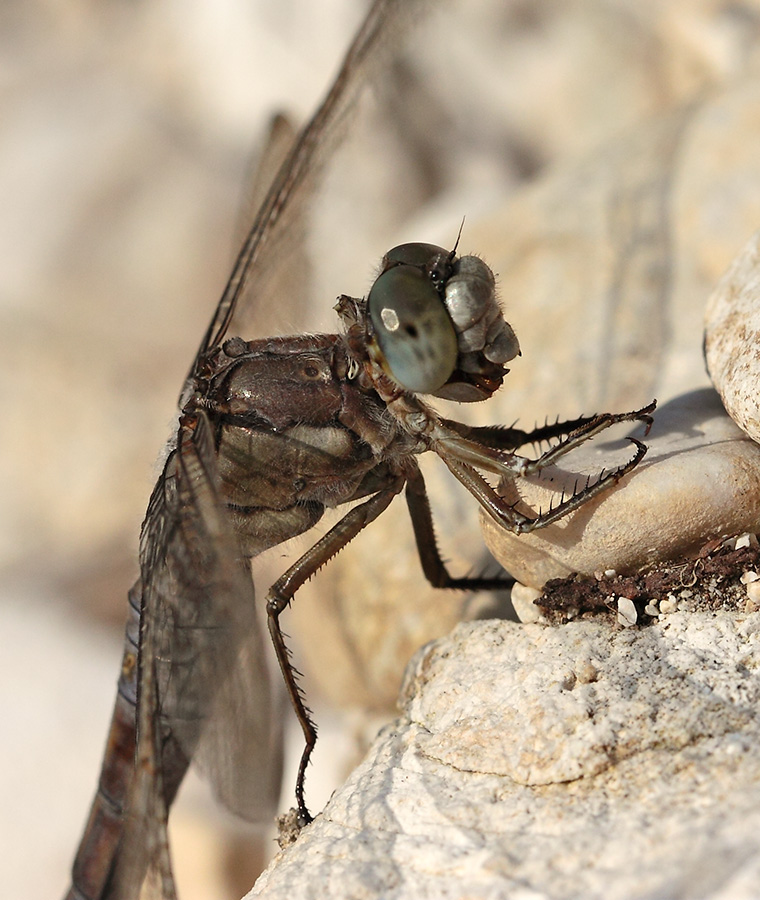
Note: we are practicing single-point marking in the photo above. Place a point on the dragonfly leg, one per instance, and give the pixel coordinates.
(424, 533)
(499, 437)
(579, 431)
(492, 449)
(282, 592)
(496, 437)
(506, 514)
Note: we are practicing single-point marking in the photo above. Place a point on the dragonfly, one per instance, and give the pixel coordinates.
(272, 433)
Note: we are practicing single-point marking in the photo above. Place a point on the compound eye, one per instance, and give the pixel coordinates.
(431, 259)
(413, 329)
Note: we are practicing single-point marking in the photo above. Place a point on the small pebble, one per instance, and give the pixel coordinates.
(745, 540)
(627, 615)
(586, 671)
(651, 609)
(736, 744)
(668, 605)
(753, 596)
(748, 577)
(523, 601)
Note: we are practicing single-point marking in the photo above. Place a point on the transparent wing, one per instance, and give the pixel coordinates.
(283, 276)
(203, 682)
(211, 676)
(263, 171)
(279, 222)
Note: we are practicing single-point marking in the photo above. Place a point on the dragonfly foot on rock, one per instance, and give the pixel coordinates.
(290, 824)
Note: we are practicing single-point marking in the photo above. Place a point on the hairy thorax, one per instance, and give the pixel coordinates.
(295, 436)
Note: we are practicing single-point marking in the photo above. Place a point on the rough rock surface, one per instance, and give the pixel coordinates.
(584, 761)
(732, 338)
(699, 480)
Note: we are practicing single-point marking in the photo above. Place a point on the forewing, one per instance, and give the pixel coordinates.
(279, 142)
(251, 287)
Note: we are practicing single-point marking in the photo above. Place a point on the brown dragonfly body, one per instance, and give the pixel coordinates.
(271, 434)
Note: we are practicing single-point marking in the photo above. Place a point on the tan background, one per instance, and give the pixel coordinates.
(125, 135)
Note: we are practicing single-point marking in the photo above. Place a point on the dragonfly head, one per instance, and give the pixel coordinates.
(434, 324)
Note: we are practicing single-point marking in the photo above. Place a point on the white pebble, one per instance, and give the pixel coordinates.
(753, 594)
(522, 600)
(627, 614)
(749, 577)
(668, 605)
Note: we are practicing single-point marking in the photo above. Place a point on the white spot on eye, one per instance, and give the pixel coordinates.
(390, 318)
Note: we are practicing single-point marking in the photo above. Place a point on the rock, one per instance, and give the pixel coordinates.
(523, 600)
(627, 614)
(583, 761)
(699, 480)
(732, 338)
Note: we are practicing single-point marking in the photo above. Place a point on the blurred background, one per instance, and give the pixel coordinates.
(127, 135)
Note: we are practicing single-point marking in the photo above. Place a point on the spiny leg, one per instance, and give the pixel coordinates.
(456, 444)
(283, 591)
(588, 428)
(497, 437)
(510, 518)
(507, 438)
(561, 428)
(430, 558)
(491, 448)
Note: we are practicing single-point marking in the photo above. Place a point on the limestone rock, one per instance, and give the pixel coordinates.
(576, 762)
(732, 338)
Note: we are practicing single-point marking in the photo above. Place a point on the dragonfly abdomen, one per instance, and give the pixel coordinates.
(99, 845)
